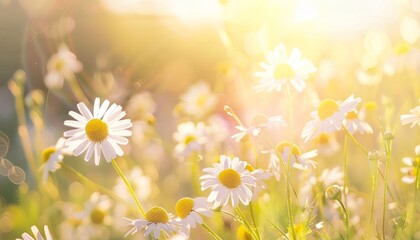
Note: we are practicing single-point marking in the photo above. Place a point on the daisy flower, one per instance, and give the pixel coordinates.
(37, 234)
(60, 66)
(329, 117)
(52, 157)
(299, 160)
(141, 106)
(412, 118)
(413, 166)
(228, 180)
(313, 184)
(189, 211)
(327, 144)
(156, 219)
(198, 100)
(281, 69)
(260, 176)
(96, 210)
(259, 123)
(190, 137)
(355, 124)
(100, 132)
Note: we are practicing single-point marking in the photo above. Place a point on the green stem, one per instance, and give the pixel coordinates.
(416, 191)
(212, 233)
(130, 189)
(388, 158)
(17, 90)
(345, 168)
(246, 223)
(77, 90)
(372, 204)
(195, 171)
(91, 183)
(345, 217)
(355, 141)
(289, 197)
(253, 220)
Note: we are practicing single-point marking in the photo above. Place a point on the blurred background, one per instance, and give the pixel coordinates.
(366, 48)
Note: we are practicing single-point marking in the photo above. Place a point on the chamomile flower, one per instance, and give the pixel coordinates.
(96, 210)
(259, 122)
(355, 124)
(198, 101)
(412, 118)
(141, 106)
(60, 66)
(413, 165)
(281, 69)
(100, 132)
(189, 211)
(190, 137)
(37, 234)
(229, 180)
(298, 160)
(327, 144)
(329, 117)
(52, 157)
(313, 184)
(156, 219)
(260, 176)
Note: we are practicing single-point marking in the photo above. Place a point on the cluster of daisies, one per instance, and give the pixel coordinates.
(100, 133)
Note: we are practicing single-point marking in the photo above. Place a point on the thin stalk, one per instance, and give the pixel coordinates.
(388, 158)
(288, 195)
(77, 90)
(253, 220)
(17, 90)
(91, 183)
(194, 171)
(246, 223)
(212, 233)
(416, 191)
(355, 141)
(346, 183)
(130, 189)
(346, 217)
(372, 203)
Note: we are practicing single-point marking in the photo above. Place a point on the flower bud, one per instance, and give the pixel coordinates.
(375, 155)
(334, 192)
(388, 136)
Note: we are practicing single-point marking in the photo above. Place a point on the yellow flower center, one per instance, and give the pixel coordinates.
(97, 216)
(259, 119)
(230, 178)
(283, 144)
(323, 138)
(184, 206)
(402, 48)
(352, 115)
(188, 139)
(243, 234)
(59, 65)
(201, 100)
(157, 215)
(249, 167)
(370, 105)
(326, 108)
(373, 70)
(283, 70)
(46, 154)
(96, 130)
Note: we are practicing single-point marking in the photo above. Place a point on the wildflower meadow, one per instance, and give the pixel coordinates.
(209, 119)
